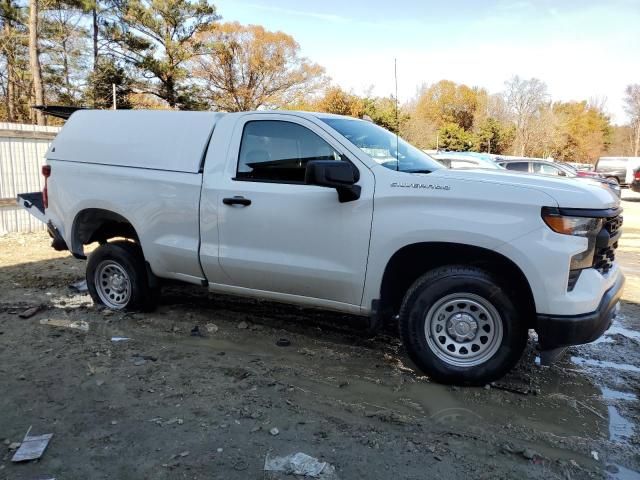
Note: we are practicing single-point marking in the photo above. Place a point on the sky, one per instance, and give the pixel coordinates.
(582, 49)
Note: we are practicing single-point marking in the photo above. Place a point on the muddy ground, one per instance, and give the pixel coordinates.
(169, 405)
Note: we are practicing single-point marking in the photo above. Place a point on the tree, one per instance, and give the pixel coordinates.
(455, 138)
(337, 101)
(158, 38)
(632, 107)
(65, 57)
(491, 136)
(439, 106)
(99, 92)
(34, 58)
(247, 67)
(385, 112)
(10, 21)
(525, 99)
(583, 132)
(446, 102)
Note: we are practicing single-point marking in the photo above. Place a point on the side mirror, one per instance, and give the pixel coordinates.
(336, 174)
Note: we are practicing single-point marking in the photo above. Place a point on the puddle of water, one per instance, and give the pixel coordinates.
(620, 429)
(610, 394)
(618, 329)
(623, 474)
(605, 364)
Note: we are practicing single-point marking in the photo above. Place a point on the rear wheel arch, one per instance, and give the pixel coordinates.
(412, 261)
(99, 225)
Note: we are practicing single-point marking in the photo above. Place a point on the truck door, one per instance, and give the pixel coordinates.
(277, 234)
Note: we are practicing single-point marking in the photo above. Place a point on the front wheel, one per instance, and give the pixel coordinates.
(117, 277)
(460, 326)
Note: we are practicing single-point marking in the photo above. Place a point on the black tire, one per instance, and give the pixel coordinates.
(434, 288)
(127, 256)
(614, 180)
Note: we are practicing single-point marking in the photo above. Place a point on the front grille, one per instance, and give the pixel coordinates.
(613, 225)
(605, 256)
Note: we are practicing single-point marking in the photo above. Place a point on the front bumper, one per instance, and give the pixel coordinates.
(556, 331)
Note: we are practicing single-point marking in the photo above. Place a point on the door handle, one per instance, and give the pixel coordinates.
(245, 202)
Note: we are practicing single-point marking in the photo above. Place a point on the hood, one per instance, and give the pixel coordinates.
(568, 192)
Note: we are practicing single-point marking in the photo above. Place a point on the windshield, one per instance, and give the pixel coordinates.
(383, 146)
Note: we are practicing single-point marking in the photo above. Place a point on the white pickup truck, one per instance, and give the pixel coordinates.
(336, 213)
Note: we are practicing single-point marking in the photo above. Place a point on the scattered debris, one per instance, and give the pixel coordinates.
(389, 416)
(283, 342)
(151, 358)
(211, 327)
(99, 382)
(177, 420)
(32, 447)
(595, 455)
(529, 454)
(58, 322)
(79, 287)
(300, 464)
(243, 325)
(219, 450)
(30, 312)
(139, 362)
(510, 388)
(14, 446)
(274, 431)
(120, 339)
(195, 332)
(184, 454)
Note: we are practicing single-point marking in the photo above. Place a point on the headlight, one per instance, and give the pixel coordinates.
(567, 225)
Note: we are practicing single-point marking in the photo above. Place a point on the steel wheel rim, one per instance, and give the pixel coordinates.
(463, 329)
(112, 284)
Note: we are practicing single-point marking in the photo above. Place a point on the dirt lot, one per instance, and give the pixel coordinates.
(168, 405)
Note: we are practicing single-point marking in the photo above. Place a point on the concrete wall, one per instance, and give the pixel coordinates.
(22, 149)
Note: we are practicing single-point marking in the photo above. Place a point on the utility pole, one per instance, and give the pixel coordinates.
(34, 59)
(113, 90)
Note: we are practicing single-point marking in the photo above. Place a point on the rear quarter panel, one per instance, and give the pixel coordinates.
(162, 206)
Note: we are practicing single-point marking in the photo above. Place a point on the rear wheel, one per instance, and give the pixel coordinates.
(117, 277)
(614, 180)
(459, 326)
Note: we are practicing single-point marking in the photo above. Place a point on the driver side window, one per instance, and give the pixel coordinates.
(278, 151)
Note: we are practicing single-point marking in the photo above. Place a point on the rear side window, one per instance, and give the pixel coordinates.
(463, 164)
(518, 166)
(545, 169)
(277, 151)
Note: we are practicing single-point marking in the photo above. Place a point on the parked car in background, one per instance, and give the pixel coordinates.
(457, 160)
(580, 172)
(617, 169)
(635, 183)
(559, 169)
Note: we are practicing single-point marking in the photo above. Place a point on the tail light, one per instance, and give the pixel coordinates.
(46, 173)
(636, 175)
